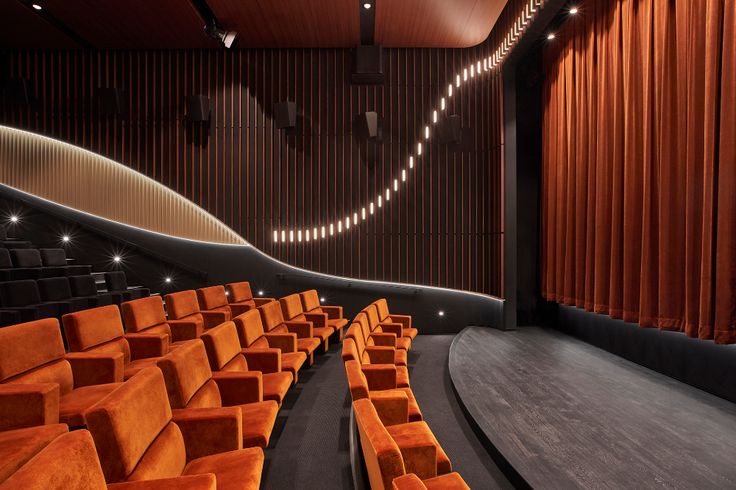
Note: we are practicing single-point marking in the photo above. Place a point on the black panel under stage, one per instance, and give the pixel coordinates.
(560, 413)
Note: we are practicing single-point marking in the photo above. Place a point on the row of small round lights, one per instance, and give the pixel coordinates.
(476, 68)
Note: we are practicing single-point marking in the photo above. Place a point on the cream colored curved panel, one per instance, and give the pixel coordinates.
(80, 179)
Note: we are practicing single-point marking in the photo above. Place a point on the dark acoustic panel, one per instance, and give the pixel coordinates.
(450, 130)
(285, 115)
(368, 65)
(198, 108)
(18, 91)
(110, 101)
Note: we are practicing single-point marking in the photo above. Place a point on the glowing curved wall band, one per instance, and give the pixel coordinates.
(83, 180)
(480, 67)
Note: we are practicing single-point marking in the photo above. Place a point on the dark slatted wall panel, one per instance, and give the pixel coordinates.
(445, 227)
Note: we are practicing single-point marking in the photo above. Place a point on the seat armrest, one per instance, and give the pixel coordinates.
(381, 354)
(239, 388)
(184, 330)
(263, 360)
(380, 376)
(205, 481)
(394, 328)
(384, 339)
(96, 368)
(145, 345)
(28, 405)
(303, 330)
(213, 318)
(286, 342)
(392, 406)
(209, 431)
(409, 481)
(263, 301)
(333, 312)
(403, 320)
(318, 320)
(419, 451)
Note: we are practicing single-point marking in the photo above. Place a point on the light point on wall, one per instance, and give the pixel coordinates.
(403, 175)
(227, 293)
(355, 218)
(339, 226)
(441, 313)
(323, 232)
(449, 90)
(14, 219)
(426, 132)
(550, 36)
(299, 236)
(574, 10)
(411, 162)
(442, 101)
(36, 6)
(434, 116)
(380, 201)
(117, 259)
(419, 149)
(370, 208)
(322, 299)
(396, 185)
(367, 6)
(306, 237)
(388, 194)
(283, 235)
(275, 236)
(260, 292)
(457, 81)
(347, 223)
(167, 280)
(66, 239)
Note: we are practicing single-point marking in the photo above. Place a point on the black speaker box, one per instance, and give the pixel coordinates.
(110, 101)
(285, 114)
(368, 65)
(198, 108)
(450, 130)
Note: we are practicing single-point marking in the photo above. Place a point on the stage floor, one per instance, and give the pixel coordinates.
(565, 414)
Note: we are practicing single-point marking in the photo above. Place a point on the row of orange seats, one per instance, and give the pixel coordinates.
(188, 400)
(399, 449)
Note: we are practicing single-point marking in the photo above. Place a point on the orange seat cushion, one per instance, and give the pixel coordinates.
(400, 357)
(403, 343)
(337, 323)
(450, 481)
(73, 405)
(258, 421)
(307, 346)
(406, 435)
(292, 362)
(402, 377)
(235, 470)
(415, 414)
(20, 445)
(322, 333)
(133, 367)
(409, 332)
(275, 386)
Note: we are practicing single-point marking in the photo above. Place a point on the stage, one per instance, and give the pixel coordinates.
(564, 414)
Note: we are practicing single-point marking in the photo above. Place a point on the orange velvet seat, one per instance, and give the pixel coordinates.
(386, 317)
(41, 385)
(378, 360)
(257, 345)
(312, 304)
(291, 308)
(240, 298)
(20, 445)
(213, 305)
(450, 481)
(393, 451)
(379, 346)
(137, 439)
(224, 354)
(184, 307)
(385, 328)
(192, 387)
(101, 330)
(147, 315)
(273, 322)
(394, 405)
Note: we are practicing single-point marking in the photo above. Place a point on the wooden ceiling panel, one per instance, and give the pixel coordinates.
(157, 24)
(291, 23)
(435, 23)
(22, 28)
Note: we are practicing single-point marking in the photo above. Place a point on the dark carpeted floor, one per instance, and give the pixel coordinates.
(310, 447)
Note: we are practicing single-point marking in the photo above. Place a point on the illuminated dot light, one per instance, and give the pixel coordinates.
(478, 67)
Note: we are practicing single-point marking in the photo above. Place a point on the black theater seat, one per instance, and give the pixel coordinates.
(11, 242)
(29, 259)
(10, 273)
(86, 287)
(23, 297)
(117, 283)
(9, 317)
(56, 257)
(56, 289)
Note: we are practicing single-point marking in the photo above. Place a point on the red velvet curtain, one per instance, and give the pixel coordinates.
(639, 164)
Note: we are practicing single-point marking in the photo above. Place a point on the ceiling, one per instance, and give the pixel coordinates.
(260, 23)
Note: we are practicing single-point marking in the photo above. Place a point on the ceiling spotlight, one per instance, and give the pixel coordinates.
(441, 313)
(550, 36)
(367, 6)
(36, 6)
(14, 219)
(574, 10)
(167, 280)
(216, 32)
(117, 259)
(66, 239)
(260, 292)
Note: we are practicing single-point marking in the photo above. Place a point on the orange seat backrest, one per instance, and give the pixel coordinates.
(310, 300)
(357, 382)
(181, 304)
(223, 348)
(291, 307)
(372, 314)
(33, 352)
(250, 327)
(349, 350)
(381, 453)
(188, 377)
(144, 313)
(239, 291)
(382, 309)
(356, 335)
(211, 297)
(271, 315)
(362, 320)
(133, 431)
(97, 329)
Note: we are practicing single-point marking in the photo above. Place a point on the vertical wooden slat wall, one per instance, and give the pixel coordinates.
(445, 226)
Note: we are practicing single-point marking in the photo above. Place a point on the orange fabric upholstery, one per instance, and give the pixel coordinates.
(137, 440)
(291, 308)
(20, 445)
(371, 330)
(38, 385)
(147, 315)
(274, 322)
(450, 481)
(213, 305)
(385, 316)
(253, 339)
(386, 352)
(190, 386)
(224, 353)
(312, 304)
(100, 330)
(241, 297)
(350, 352)
(183, 309)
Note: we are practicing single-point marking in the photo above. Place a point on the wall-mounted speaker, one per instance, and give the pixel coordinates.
(19, 91)
(367, 65)
(284, 114)
(110, 101)
(198, 108)
(450, 130)
(368, 126)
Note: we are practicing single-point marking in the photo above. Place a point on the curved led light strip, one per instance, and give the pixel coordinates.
(479, 67)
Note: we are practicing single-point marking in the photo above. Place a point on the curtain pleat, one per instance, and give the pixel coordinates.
(639, 164)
